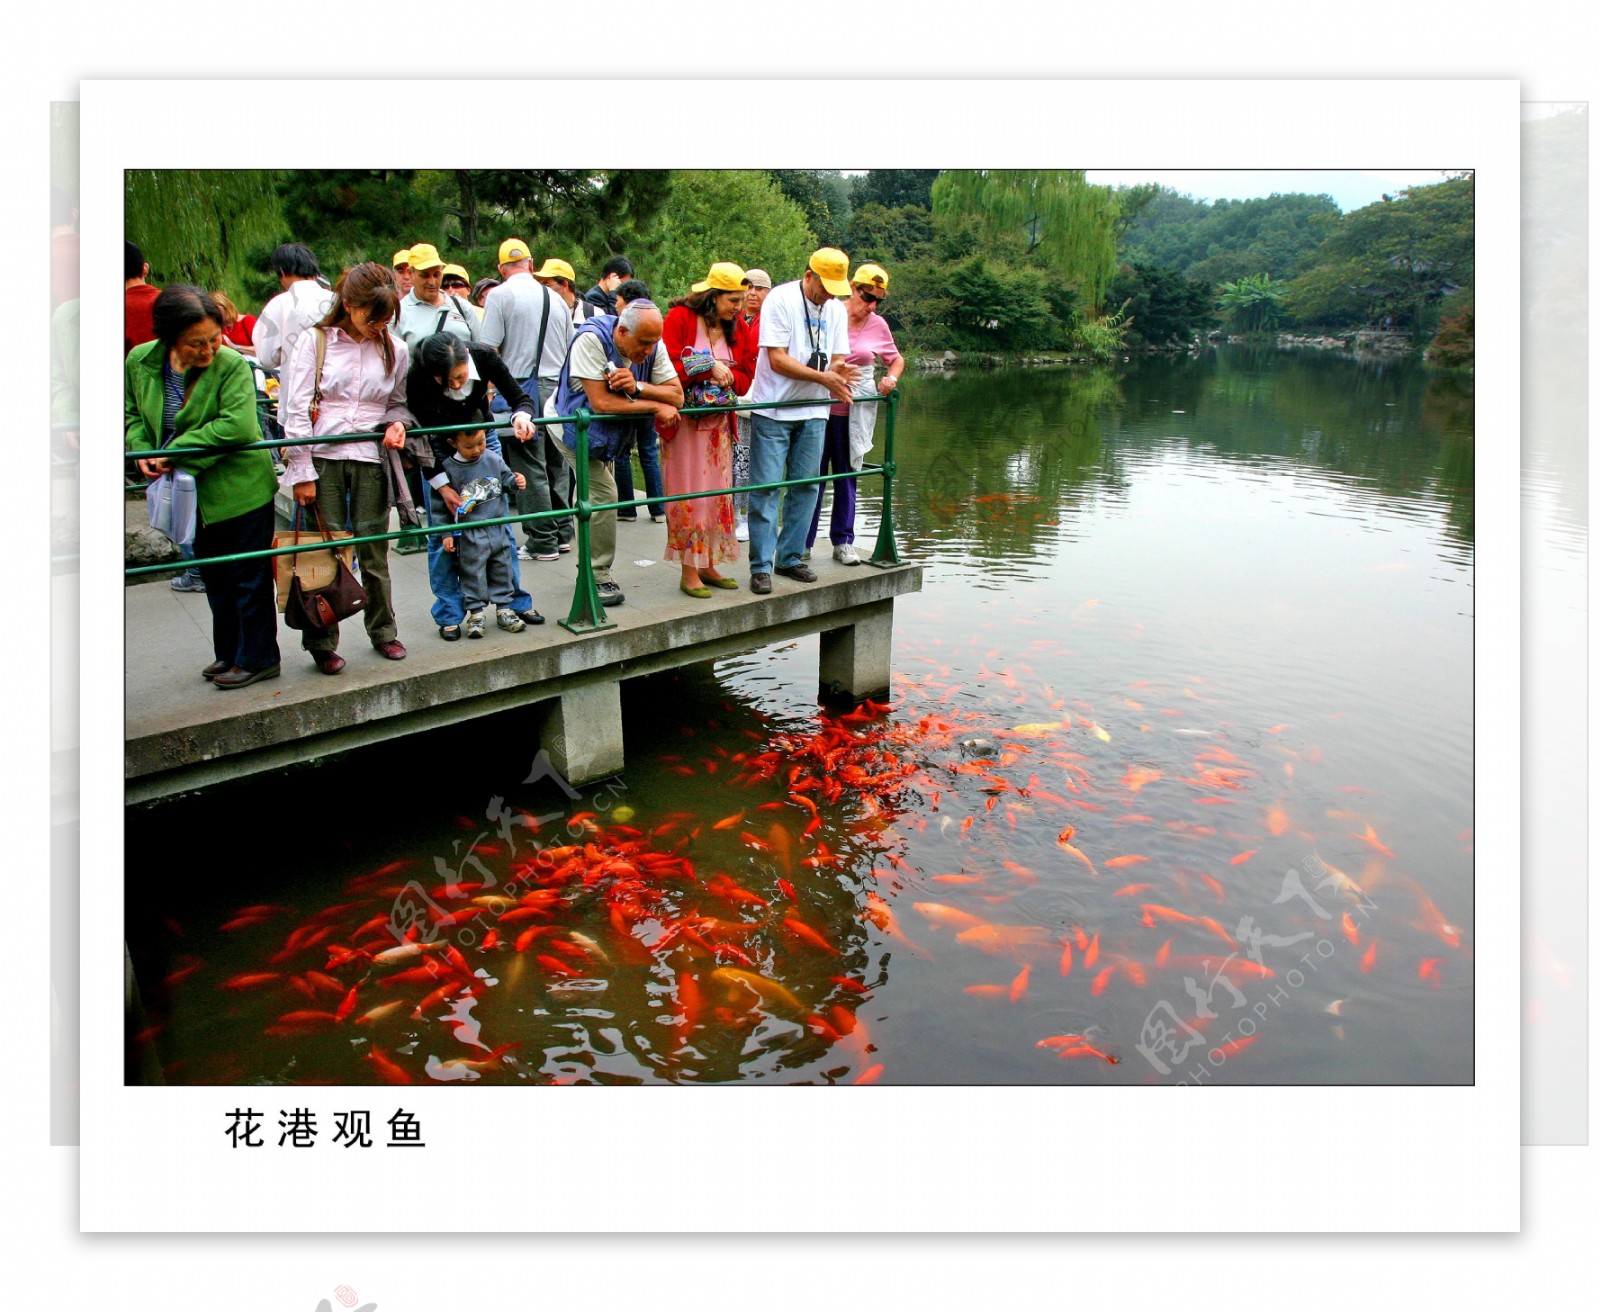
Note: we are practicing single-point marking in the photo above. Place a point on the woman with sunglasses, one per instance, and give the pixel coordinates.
(850, 427)
(361, 389)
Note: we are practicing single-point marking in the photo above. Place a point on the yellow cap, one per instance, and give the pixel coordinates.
(556, 269)
(423, 256)
(402, 259)
(513, 249)
(831, 265)
(456, 271)
(724, 276)
(870, 275)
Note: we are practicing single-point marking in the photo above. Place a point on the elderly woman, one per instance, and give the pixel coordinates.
(360, 388)
(184, 390)
(849, 433)
(714, 354)
(449, 384)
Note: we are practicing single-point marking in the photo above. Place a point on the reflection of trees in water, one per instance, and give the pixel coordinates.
(1404, 430)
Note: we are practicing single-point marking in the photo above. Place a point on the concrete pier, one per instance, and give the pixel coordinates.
(183, 734)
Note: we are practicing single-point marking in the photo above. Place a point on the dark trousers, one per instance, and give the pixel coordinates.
(242, 595)
(836, 460)
(353, 494)
(648, 447)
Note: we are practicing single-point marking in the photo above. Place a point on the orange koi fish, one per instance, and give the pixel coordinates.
(1003, 938)
(1434, 922)
(1070, 850)
(1350, 930)
(1428, 969)
(1134, 820)
(1277, 821)
(1066, 958)
(1243, 857)
(1086, 1050)
(869, 1075)
(1370, 957)
(1101, 980)
(1117, 862)
(957, 879)
(1132, 890)
(1019, 985)
(849, 985)
(1371, 839)
(986, 990)
(1236, 1045)
(1091, 952)
(767, 990)
(806, 934)
(1137, 777)
(1162, 953)
(1236, 968)
(1134, 971)
(417, 975)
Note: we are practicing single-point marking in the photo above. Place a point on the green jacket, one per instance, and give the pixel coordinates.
(219, 410)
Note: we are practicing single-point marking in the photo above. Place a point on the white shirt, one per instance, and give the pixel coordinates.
(287, 315)
(358, 396)
(794, 324)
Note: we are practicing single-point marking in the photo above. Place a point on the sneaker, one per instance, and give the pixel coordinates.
(610, 594)
(627, 519)
(799, 573)
(189, 581)
(805, 555)
(845, 554)
(546, 555)
(474, 624)
(741, 531)
(564, 547)
(510, 621)
(761, 584)
(524, 554)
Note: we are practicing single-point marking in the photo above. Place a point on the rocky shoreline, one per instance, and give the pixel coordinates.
(1374, 341)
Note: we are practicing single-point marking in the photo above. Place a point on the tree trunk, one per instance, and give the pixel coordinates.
(468, 187)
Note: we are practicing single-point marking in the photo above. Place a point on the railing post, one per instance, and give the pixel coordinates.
(884, 554)
(587, 614)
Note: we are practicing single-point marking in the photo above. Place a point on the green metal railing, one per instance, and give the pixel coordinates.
(586, 615)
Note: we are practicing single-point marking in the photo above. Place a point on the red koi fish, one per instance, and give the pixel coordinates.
(347, 1006)
(417, 975)
(1086, 1050)
(250, 981)
(806, 934)
(849, 985)
(1428, 969)
(728, 822)
(787, 889)
(869, 1075)
(388, 1071)
(1236, 1045)
(558, 967)
(1434, 922)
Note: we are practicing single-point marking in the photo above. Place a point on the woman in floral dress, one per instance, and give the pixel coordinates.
(714, 353)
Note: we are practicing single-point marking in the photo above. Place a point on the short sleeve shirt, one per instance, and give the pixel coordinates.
(589, 361)
(791, 322)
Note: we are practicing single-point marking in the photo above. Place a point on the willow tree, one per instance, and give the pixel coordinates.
(209, 227)
(1067, 224)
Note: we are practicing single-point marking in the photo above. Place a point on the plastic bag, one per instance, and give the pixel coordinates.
(174, 506)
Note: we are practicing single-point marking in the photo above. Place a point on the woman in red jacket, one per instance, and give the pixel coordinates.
(714, 353)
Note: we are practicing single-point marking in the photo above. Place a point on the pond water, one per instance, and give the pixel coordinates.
(1174, 783)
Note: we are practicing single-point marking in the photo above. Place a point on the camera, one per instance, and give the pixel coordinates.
(818, 361)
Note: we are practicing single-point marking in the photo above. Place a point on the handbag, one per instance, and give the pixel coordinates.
(173, 505)
(317, 609)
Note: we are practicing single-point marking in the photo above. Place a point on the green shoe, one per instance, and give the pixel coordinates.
(723, 582)
(701, 593)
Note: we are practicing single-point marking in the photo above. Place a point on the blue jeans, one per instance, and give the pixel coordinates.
(448, 607)
(648, 445)
(782, 449)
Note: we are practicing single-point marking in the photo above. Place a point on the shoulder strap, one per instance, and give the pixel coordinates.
(443, 315)
(544, 325)
(320, 337)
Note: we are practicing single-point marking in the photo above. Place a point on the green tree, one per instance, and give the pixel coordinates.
(720, 214)
(1252, 304)
(214, 228)
(822, 197)
(349, 215)
(582, 210)
(888, 236)
(1161, 305)
(1067, 224)
(893, 188)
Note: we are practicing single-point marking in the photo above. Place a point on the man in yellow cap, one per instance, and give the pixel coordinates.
(425, 309)
(803, 344)
(402, 269)
(560, 278)
(530, 326)
(458, 283)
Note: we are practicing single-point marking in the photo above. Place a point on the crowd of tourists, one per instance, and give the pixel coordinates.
(416, 343)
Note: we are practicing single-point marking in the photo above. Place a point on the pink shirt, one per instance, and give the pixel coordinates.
(872, 338)
(358, 396)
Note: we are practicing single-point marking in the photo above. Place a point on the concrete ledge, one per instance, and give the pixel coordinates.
(182, 734)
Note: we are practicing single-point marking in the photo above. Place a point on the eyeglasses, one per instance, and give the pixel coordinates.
(869, 298)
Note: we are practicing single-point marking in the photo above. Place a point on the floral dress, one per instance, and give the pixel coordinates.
(698, 456)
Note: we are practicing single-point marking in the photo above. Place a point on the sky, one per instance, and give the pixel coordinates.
(1350, 188)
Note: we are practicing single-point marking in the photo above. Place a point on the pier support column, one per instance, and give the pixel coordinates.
(583, 732)
(855, 660)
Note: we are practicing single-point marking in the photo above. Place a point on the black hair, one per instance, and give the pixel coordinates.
(179, 308)
(433, 358)
(295, 260)
(132, 261)
(617, 264)
(632, 290)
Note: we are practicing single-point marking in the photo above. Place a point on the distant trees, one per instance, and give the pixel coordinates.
(1251, 305)
(1224, 240)
(214, 228)
(1160, 305)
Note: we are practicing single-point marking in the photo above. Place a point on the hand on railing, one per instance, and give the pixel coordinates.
(522, 427)
(155, 467)
(395, 436)
(666, 415)
(840, 381)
